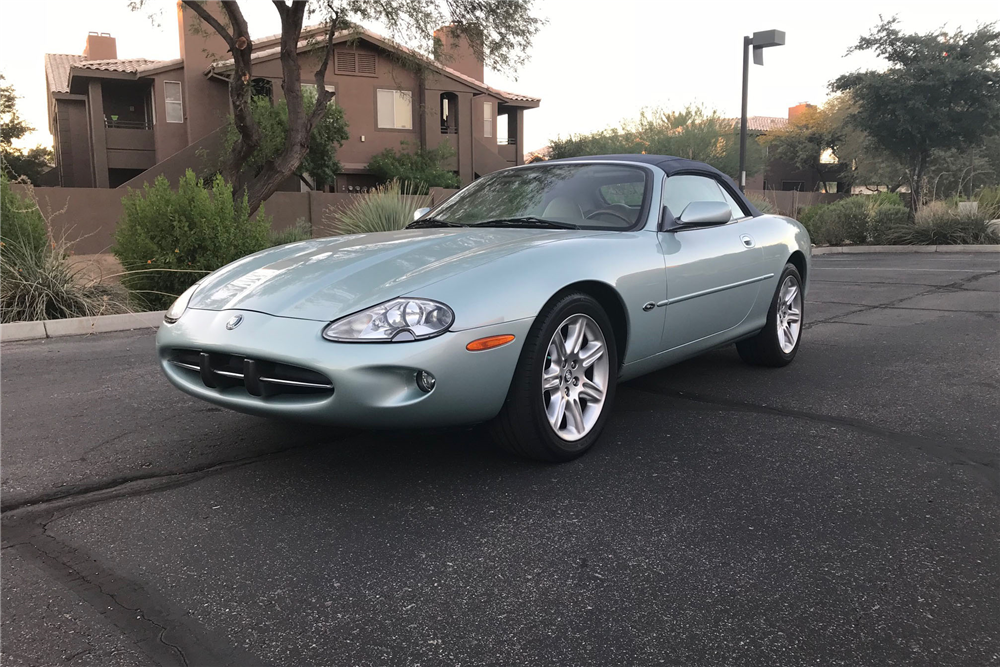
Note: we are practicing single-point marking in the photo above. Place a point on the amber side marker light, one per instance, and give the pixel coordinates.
(488, 343)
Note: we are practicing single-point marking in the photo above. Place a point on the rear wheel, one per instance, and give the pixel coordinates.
(564, 383)
(778, 342)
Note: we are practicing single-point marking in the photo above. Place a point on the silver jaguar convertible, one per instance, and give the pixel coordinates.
(521, 301)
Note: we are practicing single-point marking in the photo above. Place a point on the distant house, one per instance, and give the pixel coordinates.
(116, 121)
(779, 174)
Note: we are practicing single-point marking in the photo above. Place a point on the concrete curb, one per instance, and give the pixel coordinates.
(859, 249)
(79, 326)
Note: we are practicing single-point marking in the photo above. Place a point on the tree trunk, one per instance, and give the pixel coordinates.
(262, 185)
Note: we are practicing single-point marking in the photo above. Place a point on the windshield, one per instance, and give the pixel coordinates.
(572, 196)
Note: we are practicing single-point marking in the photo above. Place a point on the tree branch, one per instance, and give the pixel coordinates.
(207, 17)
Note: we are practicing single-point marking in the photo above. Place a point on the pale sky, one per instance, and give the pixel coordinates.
(593, 64)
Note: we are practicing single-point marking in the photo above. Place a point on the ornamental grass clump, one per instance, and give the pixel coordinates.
(168, 239)
(386, 208)
(37, 282)
(937, 224)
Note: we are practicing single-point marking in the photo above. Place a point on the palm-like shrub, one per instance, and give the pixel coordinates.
(36, 280)
(936, 224)
(386, 208)
(166, 240)
(762, 204)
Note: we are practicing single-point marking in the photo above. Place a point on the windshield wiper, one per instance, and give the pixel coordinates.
(526, 221)
(432, 222)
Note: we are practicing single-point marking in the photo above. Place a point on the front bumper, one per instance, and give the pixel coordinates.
(374, 384)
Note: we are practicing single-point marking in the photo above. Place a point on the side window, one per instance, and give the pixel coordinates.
(682, 189)
(738, 211)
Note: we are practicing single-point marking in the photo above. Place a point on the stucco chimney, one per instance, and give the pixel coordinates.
(457, 53)
(793, 112)
(100, 47)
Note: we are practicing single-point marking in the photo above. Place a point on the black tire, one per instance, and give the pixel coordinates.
(522, 427)
(764, 349)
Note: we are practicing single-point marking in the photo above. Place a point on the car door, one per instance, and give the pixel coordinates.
(713, 272)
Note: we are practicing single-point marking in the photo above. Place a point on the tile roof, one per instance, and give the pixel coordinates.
(57, 67)
(129, 65)
(761, 123)
(221, 66)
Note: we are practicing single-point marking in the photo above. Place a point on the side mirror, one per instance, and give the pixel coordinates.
(420, 212)
(699, 213)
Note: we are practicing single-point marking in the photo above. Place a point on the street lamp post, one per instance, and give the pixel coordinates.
(759, 41)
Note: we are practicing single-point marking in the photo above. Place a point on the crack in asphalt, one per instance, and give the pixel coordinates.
(957, 285)
(146, 621)
(985, 465)
(84, 491)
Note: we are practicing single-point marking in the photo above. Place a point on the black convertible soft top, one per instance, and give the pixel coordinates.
(670, 165)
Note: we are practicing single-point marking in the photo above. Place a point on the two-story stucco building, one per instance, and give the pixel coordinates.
(113, 120)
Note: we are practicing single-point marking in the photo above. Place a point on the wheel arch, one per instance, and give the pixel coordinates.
(612, 303)
(798, 259)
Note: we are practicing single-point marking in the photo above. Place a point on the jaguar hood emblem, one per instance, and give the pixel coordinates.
(234, 322)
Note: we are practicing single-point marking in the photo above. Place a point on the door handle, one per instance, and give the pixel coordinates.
(748, 241)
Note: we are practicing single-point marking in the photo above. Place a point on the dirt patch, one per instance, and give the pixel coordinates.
(103, 268)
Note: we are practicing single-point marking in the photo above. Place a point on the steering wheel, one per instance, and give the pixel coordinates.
(608, 211)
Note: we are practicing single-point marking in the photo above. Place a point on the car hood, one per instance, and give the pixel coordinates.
(328, 278)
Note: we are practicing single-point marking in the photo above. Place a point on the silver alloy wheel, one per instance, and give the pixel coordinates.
(575, 377)
(789, 314)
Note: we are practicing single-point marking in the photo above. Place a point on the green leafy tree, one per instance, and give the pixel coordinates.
(812, 141)
(420, 167)
(320, 161)
(938, 91)
(691, 133)
(16, 162)
(498, 32)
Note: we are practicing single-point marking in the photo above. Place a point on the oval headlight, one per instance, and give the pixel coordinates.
(180, 305)
(397, 320)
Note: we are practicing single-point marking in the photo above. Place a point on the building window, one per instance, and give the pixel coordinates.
(487, 119)
(395, 109)
(173, 102)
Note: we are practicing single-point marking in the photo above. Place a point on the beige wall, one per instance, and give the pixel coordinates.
(89, 215)
(170, 137)
(357, 96)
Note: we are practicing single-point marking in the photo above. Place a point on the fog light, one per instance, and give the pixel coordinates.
(425, 381)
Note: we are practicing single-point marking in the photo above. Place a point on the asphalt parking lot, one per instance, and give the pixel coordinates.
(841, 511)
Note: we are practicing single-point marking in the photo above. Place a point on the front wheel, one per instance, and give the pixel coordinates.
(778, 342)
(564, 383)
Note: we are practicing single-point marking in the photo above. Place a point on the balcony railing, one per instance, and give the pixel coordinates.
(449, 129)
(510, 141)
(127, 124)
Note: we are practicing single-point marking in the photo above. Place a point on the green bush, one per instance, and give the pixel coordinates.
(858, 219)
(880, 199)
(989, 202)
(36, 280)
(386, 208)
(300, 231)
(884, 221)
(843, 221)
(167, 240)
(21, 222)
(420, 168)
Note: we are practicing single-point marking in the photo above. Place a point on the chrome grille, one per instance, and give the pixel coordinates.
(258, 376)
